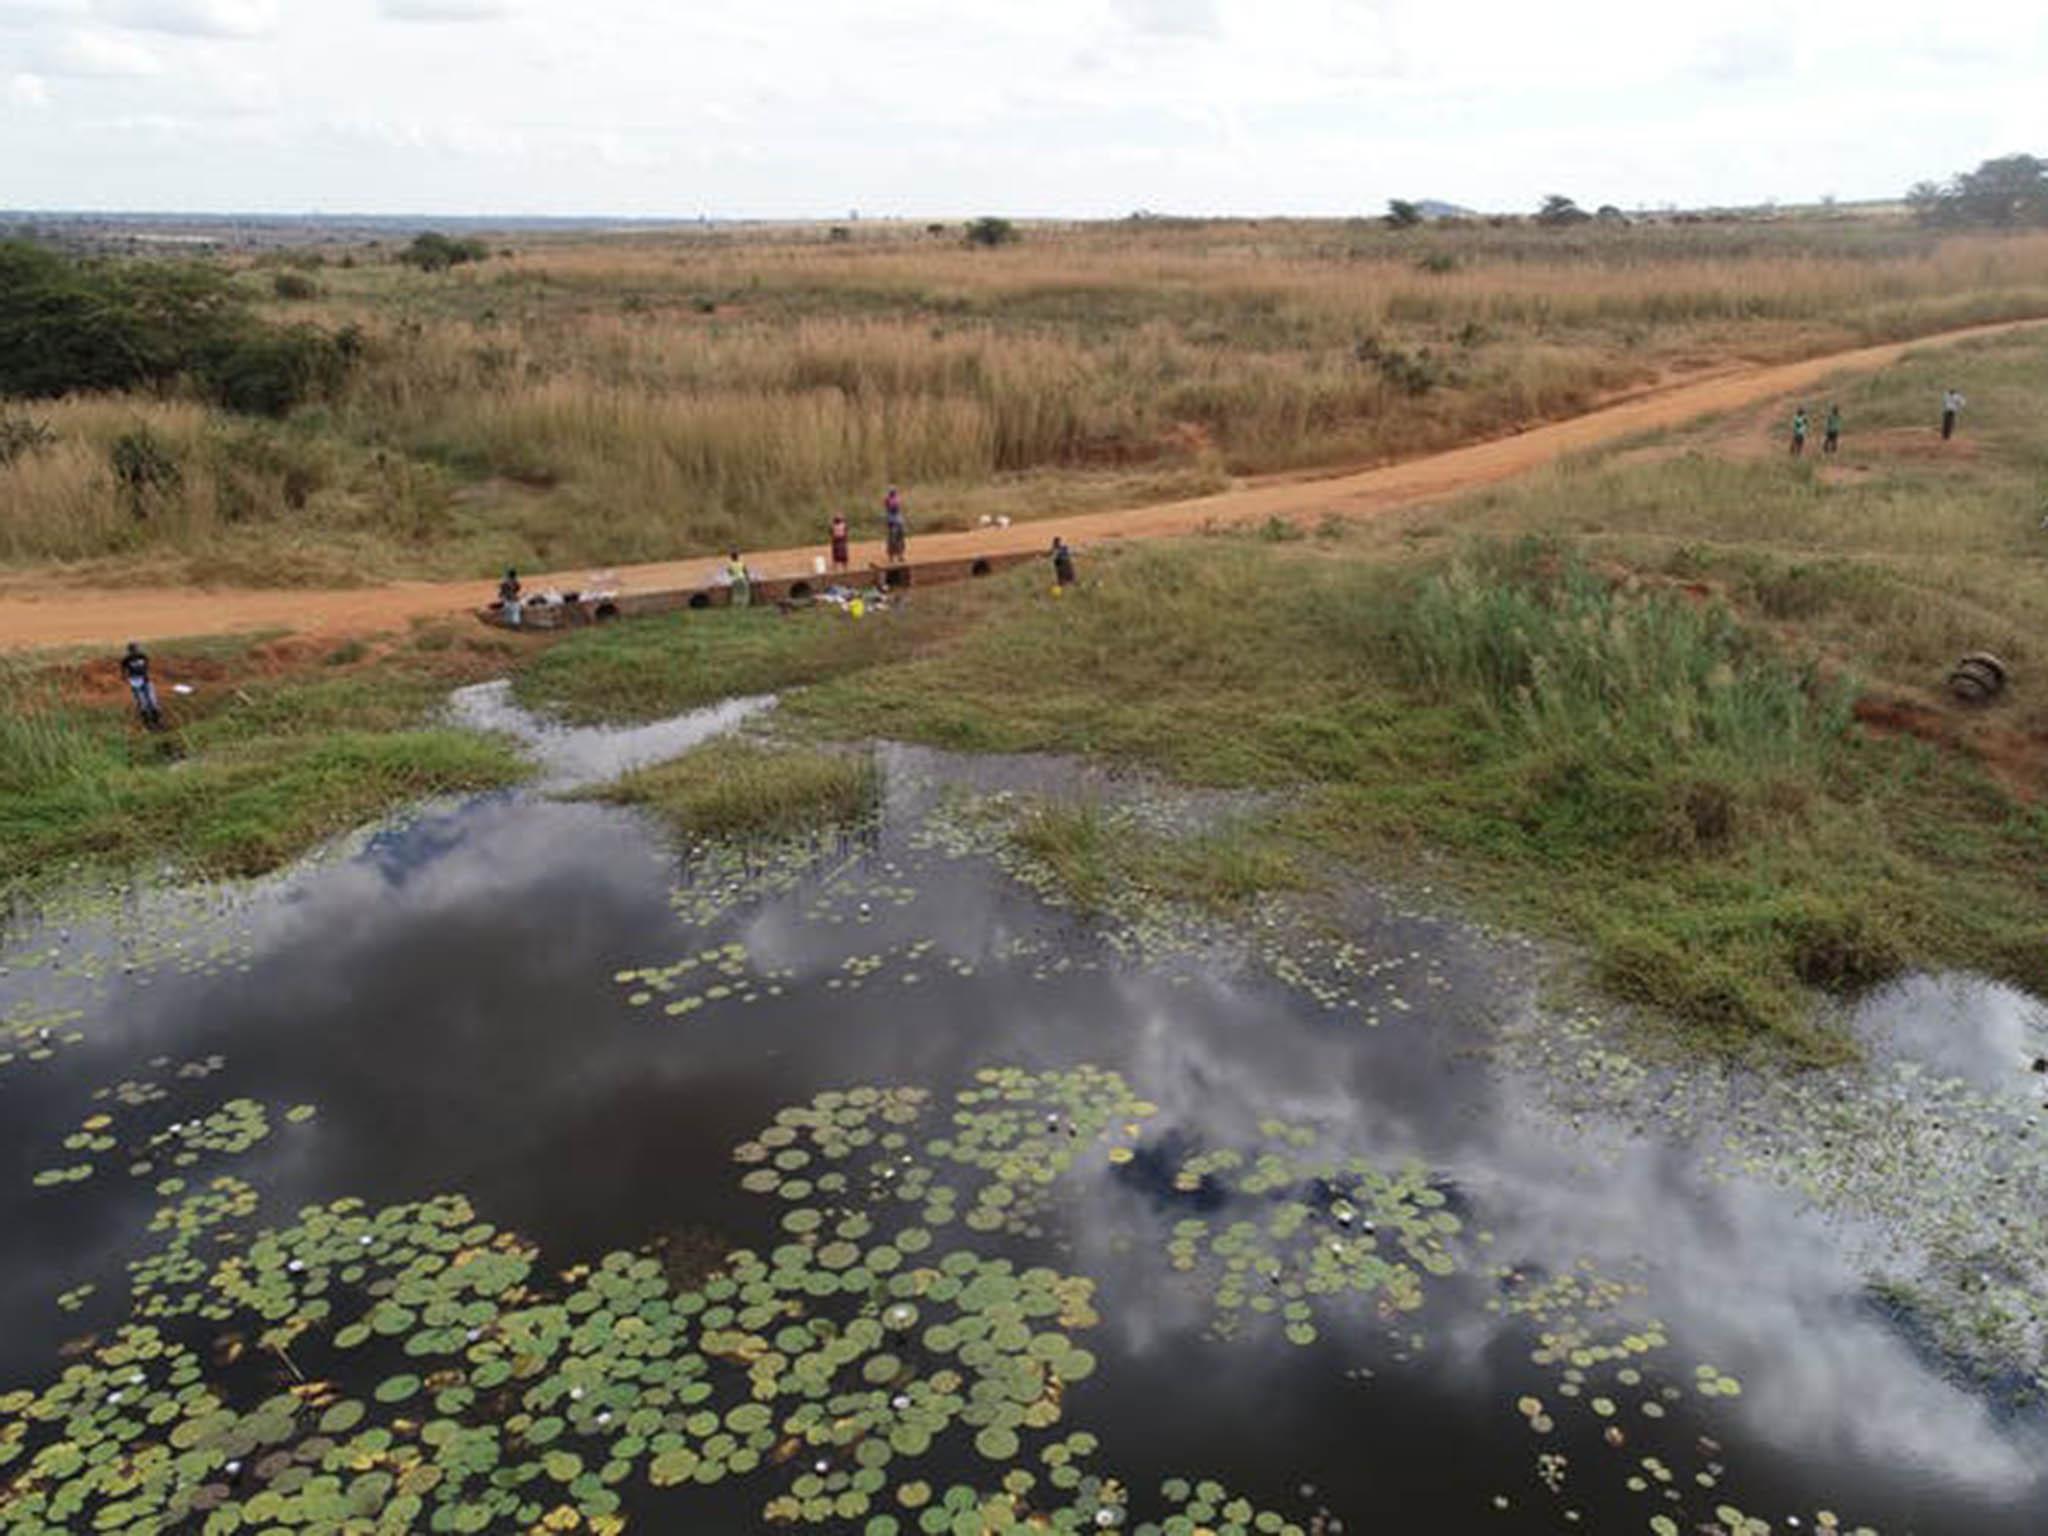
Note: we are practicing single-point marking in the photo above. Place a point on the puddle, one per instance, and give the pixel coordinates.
(575, 757)
(1251, 1232)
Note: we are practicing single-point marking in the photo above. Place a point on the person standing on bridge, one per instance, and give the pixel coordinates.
(738, 578)
(896, 530)
(1952, 403)
(1799, 432)
(1831, 435)
(842, 550)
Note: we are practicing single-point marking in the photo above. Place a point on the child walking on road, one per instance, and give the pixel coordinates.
(1951, 406)
(1799, 432)
(1831, 439)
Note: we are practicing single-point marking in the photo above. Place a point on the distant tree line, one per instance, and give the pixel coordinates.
(70, 326)
(2007, 193)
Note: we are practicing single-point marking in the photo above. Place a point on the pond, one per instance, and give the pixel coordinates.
(508, 1169)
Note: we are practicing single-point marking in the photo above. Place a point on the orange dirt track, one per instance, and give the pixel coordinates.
(86, 616)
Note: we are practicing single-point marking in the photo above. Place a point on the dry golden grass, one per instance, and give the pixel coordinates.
(644, 397)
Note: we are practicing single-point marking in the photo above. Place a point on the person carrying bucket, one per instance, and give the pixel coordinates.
(135, 668)
(842, 551)
(1062, 566)
(895, 529)
(742, 583)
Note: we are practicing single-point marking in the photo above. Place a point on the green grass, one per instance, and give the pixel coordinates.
(738, 788)
(1621, 766)
(1097, 859)
(256, 774)
(655, 667)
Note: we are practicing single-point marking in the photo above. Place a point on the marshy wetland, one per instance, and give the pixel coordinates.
(1519, 1016)
(520, 1165)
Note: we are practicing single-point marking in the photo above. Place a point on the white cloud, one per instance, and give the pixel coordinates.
(29, 13)
(446, 10)
(195, 18)
(90, 53)
(1170, 18)
(28, 91)
(809, 107)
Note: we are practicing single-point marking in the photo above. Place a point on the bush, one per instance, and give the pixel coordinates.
(2009, 193)
(266, 373)
(1402, 214)
(71, 327)
(1559, 211)
(147, 469)
(21, 436)
(294, 286)
(990, 232)
(433, 252)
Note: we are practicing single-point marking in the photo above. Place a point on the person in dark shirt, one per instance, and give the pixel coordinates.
(842, 553)
(1831, 439)
(135, 668)
(508, 597)
(896, 530)
(1062, 564)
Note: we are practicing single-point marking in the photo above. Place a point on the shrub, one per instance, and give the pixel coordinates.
(294, 286)
(1559, 211)
(147, 470)
(21, 436)
(1412, 373)
(434, 252)
(72, 327)
(2008, 193)
(267, 372)
(1402, 214)
(990, 232)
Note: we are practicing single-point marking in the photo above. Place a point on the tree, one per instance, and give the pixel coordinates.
(434, 252)
(2008, 193)
(992, 232)
(1559, 210)
(1402, 214)
(73, 327)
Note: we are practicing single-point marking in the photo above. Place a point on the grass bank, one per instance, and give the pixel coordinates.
(1625, 766)
(664, 665)
(267, 759)
(739, 788)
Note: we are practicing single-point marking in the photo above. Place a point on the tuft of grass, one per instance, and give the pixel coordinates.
(1098, 859)
(739, 788)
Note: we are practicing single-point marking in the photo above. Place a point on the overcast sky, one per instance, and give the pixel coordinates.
(812, 108)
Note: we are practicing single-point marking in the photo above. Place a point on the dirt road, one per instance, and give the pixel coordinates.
(89, 617)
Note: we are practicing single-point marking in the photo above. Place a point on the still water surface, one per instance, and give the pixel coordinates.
(445, 995)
